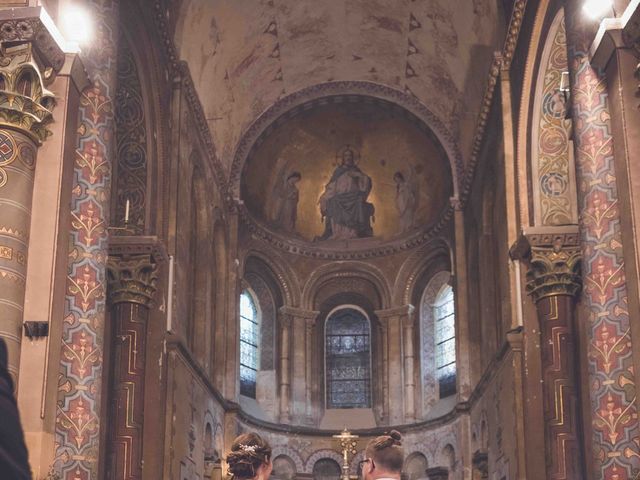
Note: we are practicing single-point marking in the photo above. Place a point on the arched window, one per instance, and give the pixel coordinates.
(348, 359)
(445, 336)
(249, 341)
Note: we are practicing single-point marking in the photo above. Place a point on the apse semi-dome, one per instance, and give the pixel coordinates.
(346, 173)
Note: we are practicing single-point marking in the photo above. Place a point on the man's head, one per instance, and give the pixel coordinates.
(384, 457)
(348, 157)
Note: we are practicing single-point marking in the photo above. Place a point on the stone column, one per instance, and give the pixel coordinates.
(391, 320)
(132, 284)
(25, 112)
(553, 280)
(438, 473)
(612, 384)
(308, 345)
(408, 322)
(302, 322)
(284, 325)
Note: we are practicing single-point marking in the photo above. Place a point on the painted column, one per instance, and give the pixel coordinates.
(612, 384)
(408, 321)
(553, 280)
(132, 284)
(284, 322)
(78, 419)
(25, 110)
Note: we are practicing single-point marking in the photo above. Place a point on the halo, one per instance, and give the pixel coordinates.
(344, 148)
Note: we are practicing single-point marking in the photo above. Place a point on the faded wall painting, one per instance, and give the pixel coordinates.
(347, 170)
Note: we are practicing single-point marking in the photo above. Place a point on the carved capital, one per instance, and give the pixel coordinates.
(554, 261)
(30, 58)
(132, 279)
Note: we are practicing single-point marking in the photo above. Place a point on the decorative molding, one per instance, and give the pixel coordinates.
(180, 71)
(501, 62)
(132, 279)
(33, 25)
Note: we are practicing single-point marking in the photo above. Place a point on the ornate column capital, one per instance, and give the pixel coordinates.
(132, 279)
(554, 258)
(30, 57)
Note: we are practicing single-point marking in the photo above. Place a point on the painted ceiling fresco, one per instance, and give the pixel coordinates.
(344, 171)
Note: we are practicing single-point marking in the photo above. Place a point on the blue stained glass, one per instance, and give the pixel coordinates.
(445, 335)
(249, 337)
(348, 360)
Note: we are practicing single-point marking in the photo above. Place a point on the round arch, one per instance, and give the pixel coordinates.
(332, 271)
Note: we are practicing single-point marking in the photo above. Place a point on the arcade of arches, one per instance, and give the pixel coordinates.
(292, 216)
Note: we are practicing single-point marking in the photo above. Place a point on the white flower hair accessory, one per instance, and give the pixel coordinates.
(249, 448)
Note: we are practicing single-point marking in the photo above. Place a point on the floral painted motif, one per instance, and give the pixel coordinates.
(78, 416)
(616, 433)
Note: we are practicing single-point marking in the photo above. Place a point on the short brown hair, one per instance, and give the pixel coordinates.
(386, 451)
(248, 452)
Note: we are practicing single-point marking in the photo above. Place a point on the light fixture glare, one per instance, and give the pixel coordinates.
(595, 9)
(76, 25)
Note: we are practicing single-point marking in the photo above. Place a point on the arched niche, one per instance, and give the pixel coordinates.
(326, 469)
(415, 466)
(283, 468)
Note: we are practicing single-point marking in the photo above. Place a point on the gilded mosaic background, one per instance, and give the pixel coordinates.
(313, 144)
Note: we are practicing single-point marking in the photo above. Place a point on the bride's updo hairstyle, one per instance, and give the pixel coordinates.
(386, 451)
(248, 452)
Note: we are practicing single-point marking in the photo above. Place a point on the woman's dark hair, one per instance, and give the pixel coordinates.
(386, 451)
(248, 452)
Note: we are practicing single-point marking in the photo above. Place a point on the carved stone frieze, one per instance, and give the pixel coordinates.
(554, 261)
(132, 279)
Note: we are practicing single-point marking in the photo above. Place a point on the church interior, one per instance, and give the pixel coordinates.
(300, 218)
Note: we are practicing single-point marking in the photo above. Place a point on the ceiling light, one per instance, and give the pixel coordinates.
(76, 25)
(596, 9)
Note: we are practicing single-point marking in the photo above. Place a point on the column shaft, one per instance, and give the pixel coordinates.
(132, 282)
(285, 383)
(558, 344)
(409, 380)
(127, 391)
(17, 164)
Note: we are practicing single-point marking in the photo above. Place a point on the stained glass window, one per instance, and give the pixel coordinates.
(445, 333)
(348, 360)
(249, 341)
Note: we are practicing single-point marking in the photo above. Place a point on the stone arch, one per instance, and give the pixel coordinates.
(356, 270)
(353, 465)
(284, 467)
(415, 466)
(319, 455)
(413, 267)
(285, 277)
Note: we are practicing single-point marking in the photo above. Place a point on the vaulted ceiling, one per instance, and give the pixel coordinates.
(245, 55)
